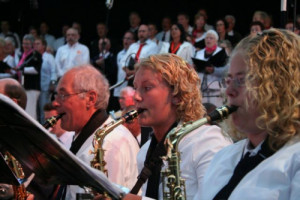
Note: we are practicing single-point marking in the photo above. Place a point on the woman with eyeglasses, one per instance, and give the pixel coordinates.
(263, 82)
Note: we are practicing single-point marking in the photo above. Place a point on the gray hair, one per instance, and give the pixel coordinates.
(87, 78)
(129, 90)
(29, 37)
(10, 39)
(230, 17)
(214, 33)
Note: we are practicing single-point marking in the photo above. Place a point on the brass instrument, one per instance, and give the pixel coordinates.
(172, 184)
(98, 161)
(20, 192)
(50, 122)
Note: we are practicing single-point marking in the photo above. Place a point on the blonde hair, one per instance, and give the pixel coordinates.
(183, 80)
(272, 81)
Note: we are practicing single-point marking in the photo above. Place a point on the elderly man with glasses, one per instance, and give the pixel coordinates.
(82, 94)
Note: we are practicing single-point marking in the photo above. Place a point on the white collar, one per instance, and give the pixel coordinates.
(252, 151)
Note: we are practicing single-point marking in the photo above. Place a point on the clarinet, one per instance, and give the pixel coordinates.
(50, 122)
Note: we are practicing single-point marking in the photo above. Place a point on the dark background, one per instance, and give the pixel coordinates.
(23, 13)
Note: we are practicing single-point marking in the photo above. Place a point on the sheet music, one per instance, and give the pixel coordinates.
(51, 162)
(30, 70)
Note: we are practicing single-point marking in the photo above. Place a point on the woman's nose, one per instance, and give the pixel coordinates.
(137, 97)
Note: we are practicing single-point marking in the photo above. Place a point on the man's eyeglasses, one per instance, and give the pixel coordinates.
(62, 97)
(237, 81)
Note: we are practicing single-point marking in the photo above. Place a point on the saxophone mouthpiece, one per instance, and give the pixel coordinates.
(52, 120)
(140, 110)
(132, 114)
(60, 116)
(222, 113)
(232, 108)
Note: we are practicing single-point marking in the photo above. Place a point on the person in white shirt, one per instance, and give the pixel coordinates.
(266, 164)
(167, 89)
(48, 75)
(179, 45)
(61, 40)
(152, 32)
(184, 20)
(71, 54)
(11, 49)
(212, 70)
(143, 48)
(65, 137)
(134, 21)
(6, 60)
(165, 34)
(128, 39)
(5, 32)
(207, 26)
(82, 94)
(44, 31)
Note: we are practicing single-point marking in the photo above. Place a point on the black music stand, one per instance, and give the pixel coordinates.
(34, 147)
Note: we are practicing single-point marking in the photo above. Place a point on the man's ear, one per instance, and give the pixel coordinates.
(91, 97)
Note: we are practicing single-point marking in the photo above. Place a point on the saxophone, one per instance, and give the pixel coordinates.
(173, 184)
(98, 161)
(20, 192)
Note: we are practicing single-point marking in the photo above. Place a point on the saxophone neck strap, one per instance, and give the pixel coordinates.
(142, 178)
(153, 160)
(148, 168)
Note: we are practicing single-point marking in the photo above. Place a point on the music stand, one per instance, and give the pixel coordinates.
(34, 147)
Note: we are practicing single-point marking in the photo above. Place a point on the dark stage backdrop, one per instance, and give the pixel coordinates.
(23, 13)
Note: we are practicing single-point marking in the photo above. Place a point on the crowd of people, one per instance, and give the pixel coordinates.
(51, 57)
(173, 77)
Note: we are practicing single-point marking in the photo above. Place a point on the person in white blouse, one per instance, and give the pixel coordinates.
(82, 94)
(178, 44)
(71, 54)
(184, 19)
(168, 90)
(263, 82)
(143, 48)
(215, 67)
(128, 39)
